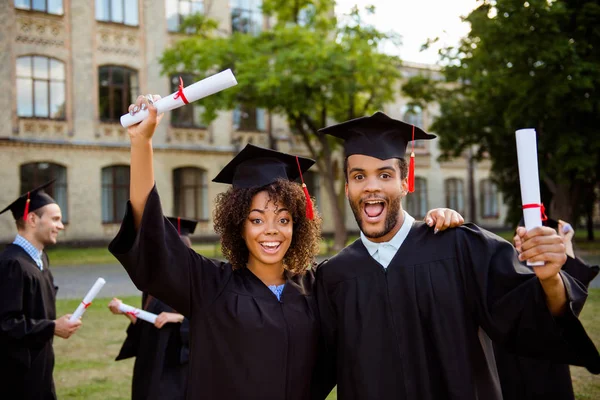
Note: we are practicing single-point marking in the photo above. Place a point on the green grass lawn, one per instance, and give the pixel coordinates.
(85, 366)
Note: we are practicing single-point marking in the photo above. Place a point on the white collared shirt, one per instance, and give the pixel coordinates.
(384, 252)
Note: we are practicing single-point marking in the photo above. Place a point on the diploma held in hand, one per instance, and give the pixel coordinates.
(530, 180)
(204, 88)
(141, 314)
(87, 300)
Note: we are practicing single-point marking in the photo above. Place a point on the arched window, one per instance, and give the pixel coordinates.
(416, 202)
(35, 174)
(115, 193)
(190, 191)
(40, 87)
(454, 189)
(189, 116)
(118, 11)
(246, 16)
(489, 199)
(118, 89)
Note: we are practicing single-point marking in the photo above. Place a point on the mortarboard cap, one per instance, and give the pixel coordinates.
(184, 226)
(256, 167)
(30, 201)
(378, 136)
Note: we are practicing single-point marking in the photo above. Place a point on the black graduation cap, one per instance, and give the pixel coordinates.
(30, 201)
(256, 167)
(378, 136)
(184, 226)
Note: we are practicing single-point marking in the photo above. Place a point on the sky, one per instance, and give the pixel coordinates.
(416, 21)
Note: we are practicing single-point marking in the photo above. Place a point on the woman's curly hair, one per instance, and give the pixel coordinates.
(232, 210)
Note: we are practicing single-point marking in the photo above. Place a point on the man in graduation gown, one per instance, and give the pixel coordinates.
(524, 378)
(401, 307)
(28, 301)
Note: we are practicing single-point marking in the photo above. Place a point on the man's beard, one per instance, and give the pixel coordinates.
(390, 220)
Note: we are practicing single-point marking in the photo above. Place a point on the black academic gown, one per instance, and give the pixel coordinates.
(244, 342)
(524, 378)
(161, 356)
(27, 314)
(411, 331)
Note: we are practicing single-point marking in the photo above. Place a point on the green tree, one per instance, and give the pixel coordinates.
(307, 67)
(527, 64)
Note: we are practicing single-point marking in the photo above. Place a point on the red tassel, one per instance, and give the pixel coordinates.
(310, 214)
(411, 173)
(26, 212)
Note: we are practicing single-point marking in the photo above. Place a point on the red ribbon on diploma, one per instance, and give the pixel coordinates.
(540, 206)
(86, 305)
(180, 92)
(132, 313)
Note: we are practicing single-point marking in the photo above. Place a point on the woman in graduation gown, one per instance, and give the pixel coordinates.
(523, 378)
(161, 350)
(253, 320)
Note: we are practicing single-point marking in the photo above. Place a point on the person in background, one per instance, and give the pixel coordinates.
(28, 320)
(161, 350)
(523, 378)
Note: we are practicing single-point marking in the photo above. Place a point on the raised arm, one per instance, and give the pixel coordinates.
(142, 166)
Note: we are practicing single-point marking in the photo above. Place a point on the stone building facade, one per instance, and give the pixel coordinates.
(68, 71)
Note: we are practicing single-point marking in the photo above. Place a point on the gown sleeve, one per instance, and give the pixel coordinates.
(581, 271)
(510, 303)
(14, 324)
(324, 375)
(159, 263)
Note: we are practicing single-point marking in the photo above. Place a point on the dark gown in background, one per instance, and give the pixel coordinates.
(411, 331)
(525, 378)
(161, 355)
(244, 342)
(27, 314)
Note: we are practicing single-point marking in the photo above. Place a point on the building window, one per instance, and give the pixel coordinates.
(248, 118)
(40, 87)
(115, 193)
(455, 194)
(414, 116)
(118, 89)
(416, 202)
(118, 11)
(313, 184)
(47, 6)
(177, 10)
(36, 174)
(189, 116)
(489, 199)
(190, 193)
(246, 16)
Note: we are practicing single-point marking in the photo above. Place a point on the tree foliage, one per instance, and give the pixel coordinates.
(308, 67)
(527, 64)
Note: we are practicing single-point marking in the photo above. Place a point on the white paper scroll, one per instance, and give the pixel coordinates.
(141, 314)
(204, 88)
(529, 179)
(87, 300)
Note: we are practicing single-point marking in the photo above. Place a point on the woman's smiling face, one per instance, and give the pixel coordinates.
(267, 231)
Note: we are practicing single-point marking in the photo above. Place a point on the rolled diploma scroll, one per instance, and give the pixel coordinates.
(141, 314)
(529, 179)
(87, 300)
(204, 88)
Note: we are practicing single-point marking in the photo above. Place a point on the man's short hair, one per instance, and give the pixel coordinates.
(402, 165)
(21, 223)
